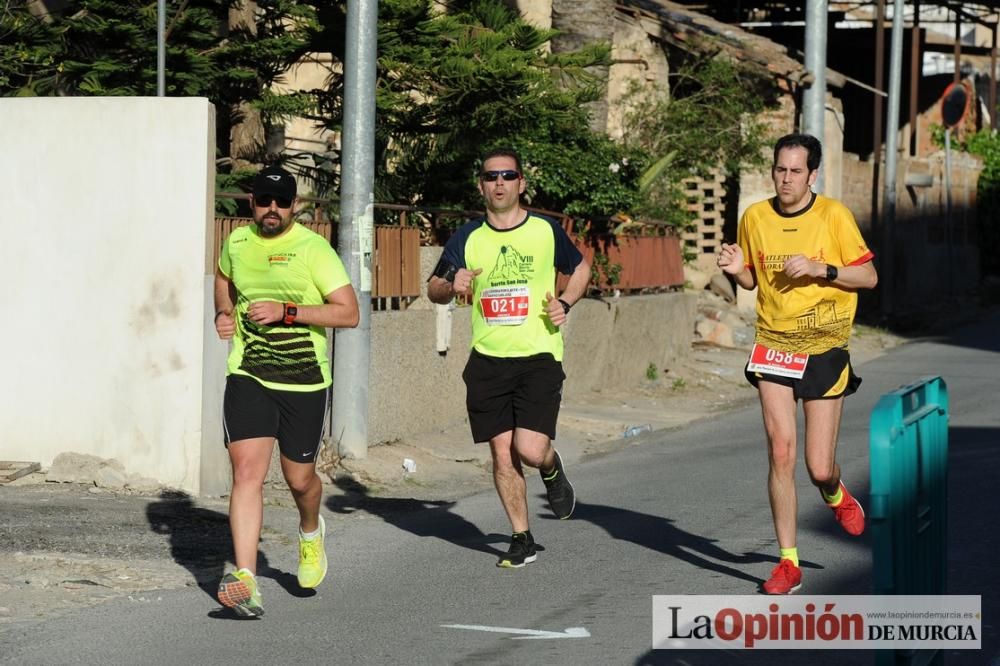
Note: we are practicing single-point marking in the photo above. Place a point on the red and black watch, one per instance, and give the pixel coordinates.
(291, 311)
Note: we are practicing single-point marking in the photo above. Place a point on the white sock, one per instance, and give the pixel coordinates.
(310, 535)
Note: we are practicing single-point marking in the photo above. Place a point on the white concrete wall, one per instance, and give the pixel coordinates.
(106, 228)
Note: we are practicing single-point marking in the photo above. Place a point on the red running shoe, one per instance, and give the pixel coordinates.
(849, 513)
(785, 579)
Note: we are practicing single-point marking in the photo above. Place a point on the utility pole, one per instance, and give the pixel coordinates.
(886, 277)
(814, 99)
(352, 349)
(161, 48)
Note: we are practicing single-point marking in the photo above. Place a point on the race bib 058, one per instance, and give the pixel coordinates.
(773, 362)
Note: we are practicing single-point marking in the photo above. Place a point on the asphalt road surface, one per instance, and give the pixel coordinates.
(673, 512)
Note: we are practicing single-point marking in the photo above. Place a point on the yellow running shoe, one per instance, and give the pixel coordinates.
(312, 558)
(238, 590)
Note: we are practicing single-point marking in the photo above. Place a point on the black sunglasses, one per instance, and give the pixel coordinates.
(265, 200)
(506, 174)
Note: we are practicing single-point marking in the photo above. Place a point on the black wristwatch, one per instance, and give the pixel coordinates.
(566, 306)
(831, 273)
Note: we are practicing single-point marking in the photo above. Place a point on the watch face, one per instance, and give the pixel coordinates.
(293, 311)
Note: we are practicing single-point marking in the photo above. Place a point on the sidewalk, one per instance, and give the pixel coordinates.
(63, 546)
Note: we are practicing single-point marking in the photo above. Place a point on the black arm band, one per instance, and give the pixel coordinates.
(445, 270)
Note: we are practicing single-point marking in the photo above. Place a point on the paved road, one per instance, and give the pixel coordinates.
(675, 512)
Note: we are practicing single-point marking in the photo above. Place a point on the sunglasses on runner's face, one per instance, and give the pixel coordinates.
(264, 201)
(506, 174)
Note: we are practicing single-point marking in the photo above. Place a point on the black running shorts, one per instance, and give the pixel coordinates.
(507, 393)
(296, 419)
(827, 375)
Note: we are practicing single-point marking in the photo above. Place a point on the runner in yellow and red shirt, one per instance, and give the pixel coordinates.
(806, 257)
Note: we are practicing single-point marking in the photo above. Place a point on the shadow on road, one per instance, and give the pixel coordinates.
(201, 542)
(424, 518)
(660, 534)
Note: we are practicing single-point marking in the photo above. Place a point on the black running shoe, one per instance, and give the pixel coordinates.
(522, 551)
(562, 497)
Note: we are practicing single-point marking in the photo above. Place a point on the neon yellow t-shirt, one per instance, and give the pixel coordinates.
(519, 266)
(804, 315)
(298, 267)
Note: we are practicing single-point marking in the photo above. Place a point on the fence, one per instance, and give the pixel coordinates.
(396, 269)
(633, 263)
(908, 510)
(628, 263)
(706, 198)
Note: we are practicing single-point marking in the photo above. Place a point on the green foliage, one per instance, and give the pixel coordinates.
(235, 182)
(29, 52)
(986, 144)
(603, 271)
(706, 119)
(651, 372)
(109, 47)
(679, 384)
(450, 86)
(454, 85)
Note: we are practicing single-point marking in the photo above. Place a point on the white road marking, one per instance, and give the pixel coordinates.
(570, 632)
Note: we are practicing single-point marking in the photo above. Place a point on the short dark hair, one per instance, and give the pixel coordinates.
(812, 145)
(503, 152)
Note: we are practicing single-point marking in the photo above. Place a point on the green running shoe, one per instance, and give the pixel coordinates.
(238, 590)
(312, 558)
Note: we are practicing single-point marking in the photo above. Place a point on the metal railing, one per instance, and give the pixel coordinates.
(625, 262)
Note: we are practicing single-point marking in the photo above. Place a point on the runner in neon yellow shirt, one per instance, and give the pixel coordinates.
(507, 262)
(278, 288)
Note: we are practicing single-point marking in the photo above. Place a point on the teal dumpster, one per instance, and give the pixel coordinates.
(908, 449)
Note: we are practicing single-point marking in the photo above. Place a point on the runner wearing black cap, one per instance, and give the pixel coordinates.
(278, 287)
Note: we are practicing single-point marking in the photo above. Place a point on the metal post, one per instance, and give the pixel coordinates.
(814, 100)
(993, 79)
(947, 203)
(877, 112)
(914, 75)
(357, 178)
(958, 48)
(161, 48)
(887, 279)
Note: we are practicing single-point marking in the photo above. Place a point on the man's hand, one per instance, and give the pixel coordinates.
(730, 259)
(463, 281)
(554, 309)
(264, 313)
(798, 266)
(225, 325)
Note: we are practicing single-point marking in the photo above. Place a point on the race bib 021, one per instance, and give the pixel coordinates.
(505, 306)
(772, 362)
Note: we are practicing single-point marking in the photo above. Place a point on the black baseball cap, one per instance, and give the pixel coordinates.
(275, 181)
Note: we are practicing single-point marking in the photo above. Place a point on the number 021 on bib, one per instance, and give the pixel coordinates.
(505, 306)
(773, 362)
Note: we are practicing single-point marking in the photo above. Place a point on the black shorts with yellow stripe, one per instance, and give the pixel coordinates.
(827, 375)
